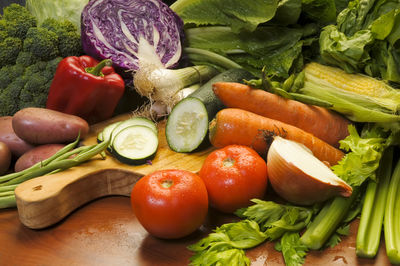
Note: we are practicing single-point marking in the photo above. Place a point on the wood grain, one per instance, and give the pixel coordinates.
(45, 200)
(106, 232)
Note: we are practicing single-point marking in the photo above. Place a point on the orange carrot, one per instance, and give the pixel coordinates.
(237, 126)
(322, 123)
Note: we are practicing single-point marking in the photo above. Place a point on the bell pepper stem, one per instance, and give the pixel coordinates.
(96, 70)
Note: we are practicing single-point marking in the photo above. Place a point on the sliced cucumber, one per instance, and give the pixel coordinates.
(135, 144)
(100, 137)
(187, 125)
(106, 133)
(134, 121)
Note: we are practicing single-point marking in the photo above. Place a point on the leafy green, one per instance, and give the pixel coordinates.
(275, 48)
(293, 250)
(364, 39)
(265, 220)
(323, 11)
(238, 14)
(366, 152)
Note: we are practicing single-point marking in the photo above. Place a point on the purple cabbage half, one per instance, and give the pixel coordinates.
(132, 31)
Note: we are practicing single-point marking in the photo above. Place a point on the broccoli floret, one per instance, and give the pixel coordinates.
(51, 68)
(9, 50)
(42, 43)
(35, 86)
(18, 20)
(3, 35)
(26, 59)
(37, 67)
(9, 73)
(9, 97)
(69, 39)
(5, 76)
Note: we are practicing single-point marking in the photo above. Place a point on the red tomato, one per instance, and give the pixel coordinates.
(170, 203)
(233, 176)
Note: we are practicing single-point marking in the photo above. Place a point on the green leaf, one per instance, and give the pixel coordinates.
(366, 152)
(293, 250)
(235, 257)
(237, 14)
(323, 11)
(276, 219)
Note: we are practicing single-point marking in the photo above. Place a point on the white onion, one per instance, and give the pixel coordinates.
(299, 177)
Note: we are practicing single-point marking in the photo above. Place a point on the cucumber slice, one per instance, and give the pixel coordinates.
(135, 144)
(187, 125)
(100, 137)
(106, 133)
(134, 121)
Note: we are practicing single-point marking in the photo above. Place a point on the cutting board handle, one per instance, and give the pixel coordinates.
(46, 200)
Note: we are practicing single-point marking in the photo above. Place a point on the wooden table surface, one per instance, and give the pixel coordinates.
(106, 232)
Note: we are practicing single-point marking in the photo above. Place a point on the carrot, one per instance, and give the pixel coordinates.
(237, 126)
(322, 123)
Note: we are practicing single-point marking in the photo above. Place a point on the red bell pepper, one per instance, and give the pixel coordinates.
(84, 87)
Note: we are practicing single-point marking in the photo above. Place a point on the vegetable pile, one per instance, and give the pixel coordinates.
(272, 79)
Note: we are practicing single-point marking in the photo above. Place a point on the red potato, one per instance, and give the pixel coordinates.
(16, 145)
(5, 158)
(45, 126)
(36, 155)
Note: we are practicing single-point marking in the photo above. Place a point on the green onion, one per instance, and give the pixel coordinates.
(161, 84)
(369, 230)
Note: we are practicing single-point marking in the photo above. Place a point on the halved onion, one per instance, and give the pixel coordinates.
(299, 177)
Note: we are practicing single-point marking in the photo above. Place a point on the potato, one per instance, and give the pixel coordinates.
(45, 126)
(35, 155)
(5, 158)
(16, 145)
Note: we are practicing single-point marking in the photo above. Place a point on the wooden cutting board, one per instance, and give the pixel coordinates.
(46, 200)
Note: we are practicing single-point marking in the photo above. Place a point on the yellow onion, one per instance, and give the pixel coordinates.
(299, 177)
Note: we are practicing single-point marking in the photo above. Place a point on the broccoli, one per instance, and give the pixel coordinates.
(51, 68)
(34, 89)
(42, 43)
(69, 40)
(3, 35)
(9, 73)
(9, 50)
(26, 59)
(9, 97)
(18, 20)
(29, 56)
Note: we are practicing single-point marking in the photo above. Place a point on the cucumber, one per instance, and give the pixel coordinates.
(187, 124)
(134, 121)
(106, 133)
(135, 144)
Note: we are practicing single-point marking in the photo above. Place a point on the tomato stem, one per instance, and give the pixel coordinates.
(228, 162)
(167, 183)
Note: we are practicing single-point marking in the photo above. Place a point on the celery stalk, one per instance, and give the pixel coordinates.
(327, 221)
(392, 218)
(369, 230)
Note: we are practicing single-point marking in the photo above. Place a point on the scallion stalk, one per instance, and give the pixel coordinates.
(369, 230)
(161, 84)
(201, 56)
(392, 218)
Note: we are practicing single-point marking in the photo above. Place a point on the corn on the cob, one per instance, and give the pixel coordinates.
(356, 83)
(361, 98)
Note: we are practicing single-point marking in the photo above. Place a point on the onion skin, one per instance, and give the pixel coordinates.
(297, 187)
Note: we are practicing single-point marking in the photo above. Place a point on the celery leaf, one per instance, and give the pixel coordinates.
(293, 250)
